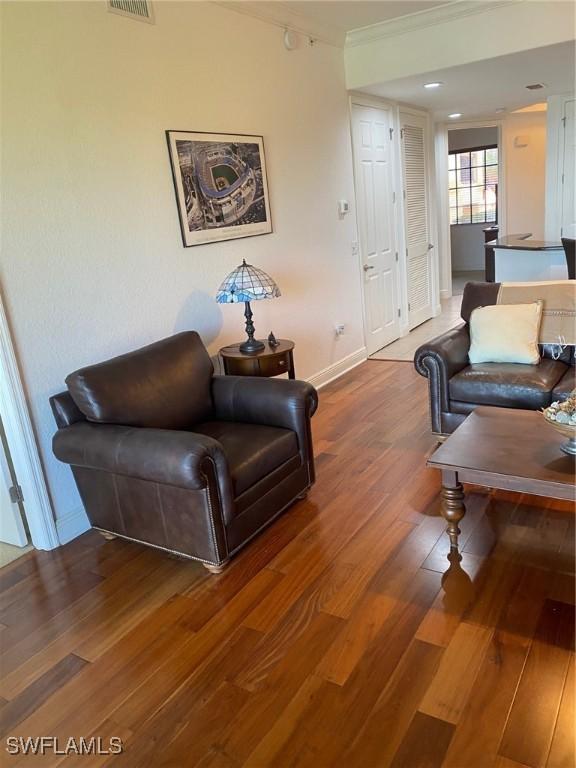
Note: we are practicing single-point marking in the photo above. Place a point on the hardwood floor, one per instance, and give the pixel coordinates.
(342, 636)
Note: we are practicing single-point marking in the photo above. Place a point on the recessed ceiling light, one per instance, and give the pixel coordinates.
(500, 110)
(433, 85)
(455, 115)
(535, 86)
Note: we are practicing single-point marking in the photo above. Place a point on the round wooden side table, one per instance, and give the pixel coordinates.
(271, 361)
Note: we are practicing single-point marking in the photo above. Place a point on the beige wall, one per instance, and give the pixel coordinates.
(525, 172)
(92, 260)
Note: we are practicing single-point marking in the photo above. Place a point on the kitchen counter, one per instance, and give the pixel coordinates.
(518, 258)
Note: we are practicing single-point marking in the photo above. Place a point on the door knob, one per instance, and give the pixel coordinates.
(367, 267)
(430, 246)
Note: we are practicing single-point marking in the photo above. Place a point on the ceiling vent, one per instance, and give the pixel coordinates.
(133, 9)
(535, 86)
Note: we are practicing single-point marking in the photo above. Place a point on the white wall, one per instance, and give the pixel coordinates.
(525, 172)
(92, 261)
(472, 36)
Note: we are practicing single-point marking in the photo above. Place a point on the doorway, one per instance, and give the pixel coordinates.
(473, 176)
(18, 436)
(14, 533)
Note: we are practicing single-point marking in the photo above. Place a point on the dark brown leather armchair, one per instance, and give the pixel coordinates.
(456, 387)
(169, 455)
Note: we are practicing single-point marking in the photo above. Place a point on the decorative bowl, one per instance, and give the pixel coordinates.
(566, 412)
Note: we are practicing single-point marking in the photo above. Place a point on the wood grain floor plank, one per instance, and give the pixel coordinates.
(381, 735)
(457, 595)
(323, 741)
(447, 695)
(424, 744)
(563, 751)
(530, 727)
(36, 694)
(477, 736)
(356, 636)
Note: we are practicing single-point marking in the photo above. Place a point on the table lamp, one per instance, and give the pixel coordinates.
(247, 283)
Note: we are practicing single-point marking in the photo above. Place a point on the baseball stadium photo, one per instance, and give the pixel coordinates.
(220, 186)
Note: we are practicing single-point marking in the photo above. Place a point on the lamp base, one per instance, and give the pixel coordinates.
(250, 346)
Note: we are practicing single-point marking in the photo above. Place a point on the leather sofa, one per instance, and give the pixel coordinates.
(168, 454)
(456, 387)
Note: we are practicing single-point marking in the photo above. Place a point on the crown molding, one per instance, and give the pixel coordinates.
(450, 11)
(279, 15)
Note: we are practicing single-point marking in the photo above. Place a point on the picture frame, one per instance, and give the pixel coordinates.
(221, 186)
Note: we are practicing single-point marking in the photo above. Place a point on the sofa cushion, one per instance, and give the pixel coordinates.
(505, 334)
(566, 385)
(252, 450)
(165, 385)
(512, 385)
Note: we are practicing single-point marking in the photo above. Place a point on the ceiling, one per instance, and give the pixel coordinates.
(478, 89)
(354, 14)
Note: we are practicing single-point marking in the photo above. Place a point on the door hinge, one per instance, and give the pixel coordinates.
(404, 194)
(401, 133)
(408, 307)
(406, 252)
(396, 255)
(562, 178)
(16, 495)
(393, 197)
(399, 313)
(391, 133)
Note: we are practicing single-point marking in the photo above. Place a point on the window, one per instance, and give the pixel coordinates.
(473, 186)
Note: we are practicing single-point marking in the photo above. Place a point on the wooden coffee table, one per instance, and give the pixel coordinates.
(502, 448)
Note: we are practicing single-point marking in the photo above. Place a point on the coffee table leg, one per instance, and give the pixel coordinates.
(453, 508)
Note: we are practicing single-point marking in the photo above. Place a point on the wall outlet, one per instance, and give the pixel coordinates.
(339, 329)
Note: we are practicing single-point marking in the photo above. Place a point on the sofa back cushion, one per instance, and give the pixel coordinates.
(166, 385)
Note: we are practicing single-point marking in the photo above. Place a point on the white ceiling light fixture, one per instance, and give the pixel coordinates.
(431, 86)
(290, 40)
(455, 115)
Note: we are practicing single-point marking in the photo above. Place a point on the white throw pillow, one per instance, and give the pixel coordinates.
(505, 333)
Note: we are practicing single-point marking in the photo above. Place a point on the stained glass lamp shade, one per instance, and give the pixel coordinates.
(247, 283)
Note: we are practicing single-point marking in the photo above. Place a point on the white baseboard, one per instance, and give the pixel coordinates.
(71, 525)
(338, 369)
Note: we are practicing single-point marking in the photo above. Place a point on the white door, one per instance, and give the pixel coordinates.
(11, 526)
(372, 140)
(568, 180)
(416, 207)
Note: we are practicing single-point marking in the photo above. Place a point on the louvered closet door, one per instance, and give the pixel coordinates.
(418, 247)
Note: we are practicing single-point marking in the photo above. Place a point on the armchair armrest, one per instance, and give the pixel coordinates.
(438, 360)
(274, 402)
(183, 459)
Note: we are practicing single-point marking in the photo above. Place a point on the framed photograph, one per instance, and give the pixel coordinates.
(220, 184)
